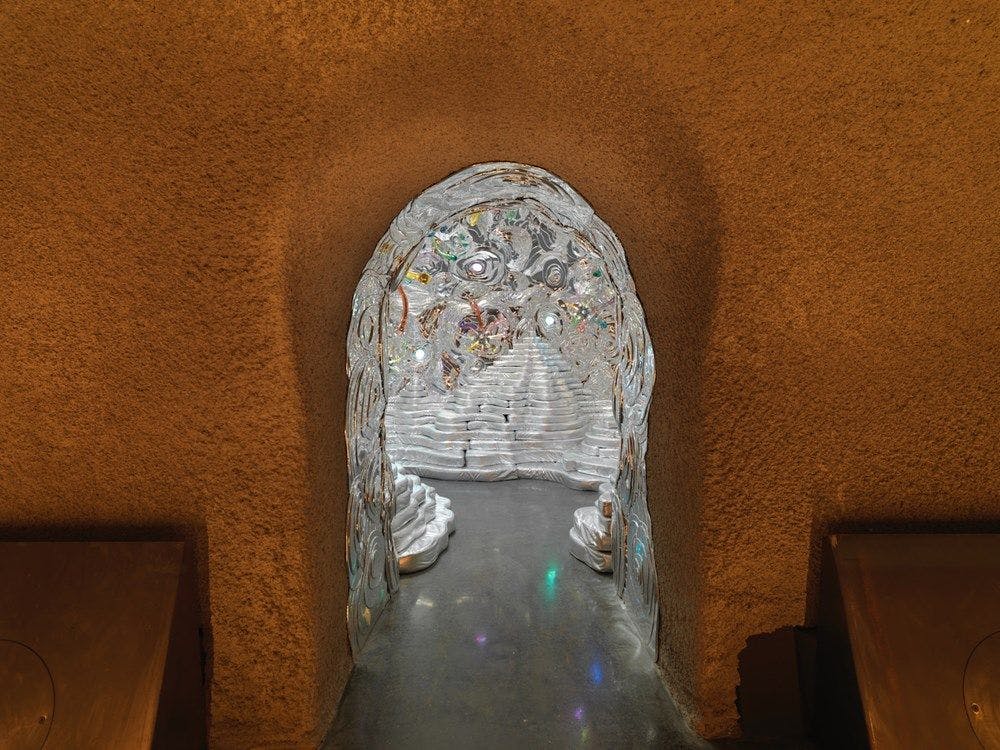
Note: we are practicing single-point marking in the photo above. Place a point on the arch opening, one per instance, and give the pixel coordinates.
(496, 333)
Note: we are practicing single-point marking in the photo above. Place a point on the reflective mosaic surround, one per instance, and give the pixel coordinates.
(481, 279)
(462, 272)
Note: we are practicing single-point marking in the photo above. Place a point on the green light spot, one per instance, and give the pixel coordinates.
(551, 576)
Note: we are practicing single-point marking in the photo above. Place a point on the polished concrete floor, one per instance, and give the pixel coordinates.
(507, 641)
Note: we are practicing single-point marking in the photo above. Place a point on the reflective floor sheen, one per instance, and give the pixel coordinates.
(507, 641)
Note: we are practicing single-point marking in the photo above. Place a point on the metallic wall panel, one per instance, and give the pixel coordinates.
(99, 617)
(915, 609)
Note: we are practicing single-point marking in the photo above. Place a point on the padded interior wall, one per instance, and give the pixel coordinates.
(188, 194)
(525, 415)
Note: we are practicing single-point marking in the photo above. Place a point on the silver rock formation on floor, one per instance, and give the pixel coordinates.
(422, 524)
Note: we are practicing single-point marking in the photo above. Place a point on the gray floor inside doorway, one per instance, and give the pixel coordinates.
(507, 641)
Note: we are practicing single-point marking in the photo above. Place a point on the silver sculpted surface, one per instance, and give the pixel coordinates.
(422, 523)
(524, 416)
(533, 259)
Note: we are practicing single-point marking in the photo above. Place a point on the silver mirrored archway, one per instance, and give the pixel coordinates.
(517, 194)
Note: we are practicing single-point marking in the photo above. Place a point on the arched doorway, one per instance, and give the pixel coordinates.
(512, 197)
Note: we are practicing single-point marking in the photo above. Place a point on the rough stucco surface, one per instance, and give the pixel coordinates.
(189, 193)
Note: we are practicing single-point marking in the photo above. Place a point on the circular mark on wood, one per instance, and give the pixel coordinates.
(982, 691)
(27, 697)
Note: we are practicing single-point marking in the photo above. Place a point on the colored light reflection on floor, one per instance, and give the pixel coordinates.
(596, 673)
(481, 639)
(551, 580)
(579, 714)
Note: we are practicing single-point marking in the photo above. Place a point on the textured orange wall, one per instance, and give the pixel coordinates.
(188, 195)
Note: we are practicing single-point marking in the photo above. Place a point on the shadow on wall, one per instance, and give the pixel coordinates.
(676, 273)
(642, 173)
